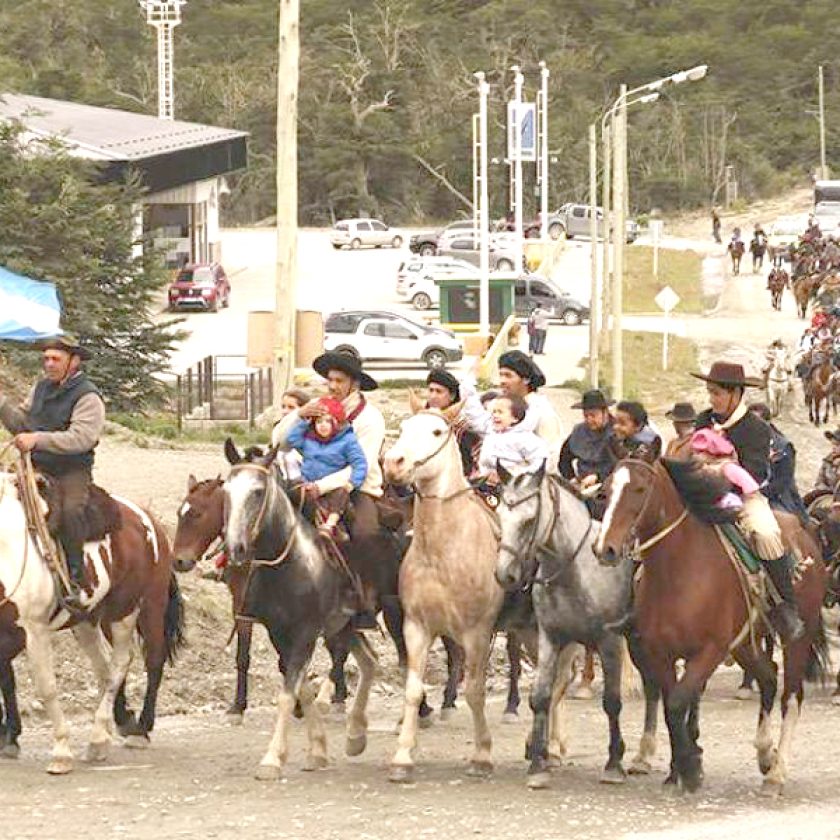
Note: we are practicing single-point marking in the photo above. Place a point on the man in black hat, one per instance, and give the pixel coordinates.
(751, 436)
(683, 417)
(60, 423)
(442, 391)
(829, 474)
(587, 455)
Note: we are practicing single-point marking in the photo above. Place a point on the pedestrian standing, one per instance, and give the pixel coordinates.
(715, 225)
(541, 319)
(532, 332)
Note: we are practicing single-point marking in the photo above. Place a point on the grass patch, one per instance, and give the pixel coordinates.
(644, 379)
(165, 427)
(681, 270)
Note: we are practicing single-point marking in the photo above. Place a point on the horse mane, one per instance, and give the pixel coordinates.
(568, 486)
(700, 491)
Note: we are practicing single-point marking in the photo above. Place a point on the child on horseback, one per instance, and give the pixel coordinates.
(718, 456)
(328, 445)
(518, 450)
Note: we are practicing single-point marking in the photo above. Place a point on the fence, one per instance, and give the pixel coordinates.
(206, 392)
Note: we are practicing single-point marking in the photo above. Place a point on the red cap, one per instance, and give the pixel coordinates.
(335, 410)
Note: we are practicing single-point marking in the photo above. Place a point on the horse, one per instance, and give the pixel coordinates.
(817, 387)
(777, 282)
(802, 295)
(736, 253)
(294, 587)
(546, 546)
(129, 586)
(692, 603)
(447, 582)
(201, 525)
(777, 383)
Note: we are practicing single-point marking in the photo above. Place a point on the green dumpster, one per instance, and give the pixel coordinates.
(459, 299)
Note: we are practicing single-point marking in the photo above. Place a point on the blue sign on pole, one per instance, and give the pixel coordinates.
(527, 122)
(29, 309)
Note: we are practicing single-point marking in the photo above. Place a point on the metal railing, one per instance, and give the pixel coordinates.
(235, 397)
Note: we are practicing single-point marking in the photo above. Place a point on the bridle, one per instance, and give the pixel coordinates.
(450, 433)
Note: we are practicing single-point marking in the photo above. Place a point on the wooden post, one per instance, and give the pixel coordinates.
(288, 59)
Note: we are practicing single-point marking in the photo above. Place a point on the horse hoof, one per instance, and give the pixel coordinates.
(509, 718)
(425, 722)
(449, 713)
(640, 767)
(743, 693)
(771, 789)
(268, 773)
(835, 700)
(234, 718)
(314, 762)
(480, 769)
(137, 742)
(356, 745)
(583, 692)
(97, 752)
(539, 781)
(613, 776)
(60, 766)
(766, 761)
(401, 774)
(10, 751)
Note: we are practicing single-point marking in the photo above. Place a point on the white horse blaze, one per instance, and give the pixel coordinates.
(620, 480)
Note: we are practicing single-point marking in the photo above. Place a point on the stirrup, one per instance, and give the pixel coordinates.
(786, 622)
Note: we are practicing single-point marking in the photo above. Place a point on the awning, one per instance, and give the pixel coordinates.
(29, 309)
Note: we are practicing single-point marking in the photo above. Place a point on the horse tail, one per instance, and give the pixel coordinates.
(173, 621)
(819, 663)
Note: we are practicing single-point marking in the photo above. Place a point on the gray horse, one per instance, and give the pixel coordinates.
(547, 538)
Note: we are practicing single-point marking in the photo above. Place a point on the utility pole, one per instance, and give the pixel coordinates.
(606, 200)
(288, 69)
(619, 234)
(483, 211)
(518, 83)
(164, 16)
(823, 168)
(543, 165)
(593, 265)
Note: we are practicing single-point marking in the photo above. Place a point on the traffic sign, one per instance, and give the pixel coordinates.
(667, 300)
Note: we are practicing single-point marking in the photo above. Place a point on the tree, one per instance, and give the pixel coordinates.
(63, 225)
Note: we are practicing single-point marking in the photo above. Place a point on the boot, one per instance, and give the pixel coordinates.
(784, 617)
(72, 600)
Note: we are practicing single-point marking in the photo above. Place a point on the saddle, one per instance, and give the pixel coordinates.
(102, 514)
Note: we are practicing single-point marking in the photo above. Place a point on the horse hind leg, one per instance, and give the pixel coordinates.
(244, 638)
(455, 673)
(514, 652)
(357, 722)
(10, 728)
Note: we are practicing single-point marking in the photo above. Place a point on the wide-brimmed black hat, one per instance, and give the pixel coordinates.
(729, 375)
(346, 364)
(682, 412)
(524, 366)
(834, 436)
(446, 380)
(593, 399)
(67, 343)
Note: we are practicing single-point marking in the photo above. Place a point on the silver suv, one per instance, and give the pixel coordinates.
(573, 220)
(464, 245)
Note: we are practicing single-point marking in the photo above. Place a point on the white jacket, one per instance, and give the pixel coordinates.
(369, 427)
(516, 449)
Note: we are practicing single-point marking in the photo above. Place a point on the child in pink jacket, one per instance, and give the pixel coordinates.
(717, 453)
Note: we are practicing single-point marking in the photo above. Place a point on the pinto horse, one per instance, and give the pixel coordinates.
(130, 587)
(692, 603)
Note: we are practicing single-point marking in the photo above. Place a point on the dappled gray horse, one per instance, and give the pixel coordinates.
(547, 537)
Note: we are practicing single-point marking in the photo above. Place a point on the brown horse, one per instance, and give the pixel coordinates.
(693, 604)
(736, 253)
(777, 282)
(803, 288)
(817, 387)
(129, 586)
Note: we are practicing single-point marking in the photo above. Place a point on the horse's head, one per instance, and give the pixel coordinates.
(423, 437)
(248, 493)
(629, 490)
(200, 521)
(520, 509)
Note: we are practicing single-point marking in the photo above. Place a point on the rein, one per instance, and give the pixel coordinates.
(450, 433)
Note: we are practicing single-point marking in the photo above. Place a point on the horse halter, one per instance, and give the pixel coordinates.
(436, 452)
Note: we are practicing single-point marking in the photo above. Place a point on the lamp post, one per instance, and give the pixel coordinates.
(823, 168)
(543, 166)
(483, 210)
(164, 16)
(518, 83)
(620, 202)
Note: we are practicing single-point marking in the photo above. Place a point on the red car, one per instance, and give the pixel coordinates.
(200, 286)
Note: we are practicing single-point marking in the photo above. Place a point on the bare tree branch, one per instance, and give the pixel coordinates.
(436, 173)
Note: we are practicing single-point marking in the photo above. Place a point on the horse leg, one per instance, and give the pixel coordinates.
(11, 728)
(39, 651)
(455, 669)
(584, 690)
(417, 641)
(542, 692)
(122, 649)
(316, 758)
(152, 629)
(339, 648)
(244, 633)
(92, 641)
(558, 730)
(611, 651)
(647, 745)
(514, 652)
(357, 722)
(477, 651)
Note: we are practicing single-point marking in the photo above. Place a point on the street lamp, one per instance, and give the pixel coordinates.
(483, 210)
(542, 168)
(164, 16)
(518, 83)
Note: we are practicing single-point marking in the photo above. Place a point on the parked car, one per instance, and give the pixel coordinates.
(416, 278)
(573, 220)
(425, 244)
(464, 246)
(386, 336)
(827, 215)
(199, 286)
(784, 232)
(356, 233)
(532, 289)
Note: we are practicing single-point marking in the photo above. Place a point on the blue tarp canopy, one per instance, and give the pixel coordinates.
(29, 309)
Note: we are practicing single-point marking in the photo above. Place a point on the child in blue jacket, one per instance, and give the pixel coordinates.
(328, 445)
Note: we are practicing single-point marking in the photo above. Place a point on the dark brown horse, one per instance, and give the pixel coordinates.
(803, 288)
(817, 387)
(692, 604)
(777, 282)
(736, 253)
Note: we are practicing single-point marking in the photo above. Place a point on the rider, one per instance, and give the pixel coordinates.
(510, 445)
(587, 454)
(633, 435)
(683, 417)
(829, 474)
(60, 423)
(751, 437)
(442, 391)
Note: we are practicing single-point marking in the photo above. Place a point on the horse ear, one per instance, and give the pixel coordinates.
(539, 475)
(271, 455)
(504, 475)
(415, 402)
(451, 414)
(231, 452)
(192, 481)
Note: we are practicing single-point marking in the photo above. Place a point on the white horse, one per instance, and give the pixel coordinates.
(28, 585)
(778, 379)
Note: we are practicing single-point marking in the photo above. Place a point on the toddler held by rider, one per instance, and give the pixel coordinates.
(717, 454)
(508, 444)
